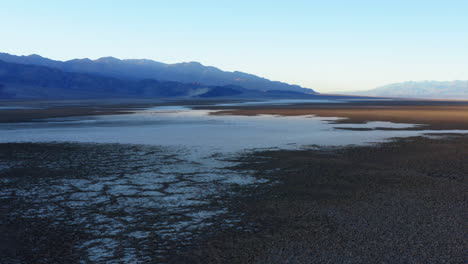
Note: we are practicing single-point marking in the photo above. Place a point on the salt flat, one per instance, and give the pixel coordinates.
(143, 182)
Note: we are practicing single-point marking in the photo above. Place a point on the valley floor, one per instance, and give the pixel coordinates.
(400, 201)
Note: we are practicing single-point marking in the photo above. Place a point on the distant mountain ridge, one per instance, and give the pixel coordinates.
(32, 81)
(28, 81)
(424, 89)
(140, 69)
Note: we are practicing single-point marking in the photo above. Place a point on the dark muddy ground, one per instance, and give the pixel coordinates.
(399, 202)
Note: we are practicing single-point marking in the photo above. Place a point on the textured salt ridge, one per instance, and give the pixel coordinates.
(127, 197)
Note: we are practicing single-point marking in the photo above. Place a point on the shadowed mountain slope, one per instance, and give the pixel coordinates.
(139, 69)
(24, 81)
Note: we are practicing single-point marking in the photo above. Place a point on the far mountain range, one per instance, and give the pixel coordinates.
(36, 77)
(423, 89)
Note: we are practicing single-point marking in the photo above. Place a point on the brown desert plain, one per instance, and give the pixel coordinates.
(433, 115)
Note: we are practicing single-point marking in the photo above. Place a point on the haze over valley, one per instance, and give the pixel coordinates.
(423, 89)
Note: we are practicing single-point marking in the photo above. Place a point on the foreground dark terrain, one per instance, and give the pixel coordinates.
(398, 202)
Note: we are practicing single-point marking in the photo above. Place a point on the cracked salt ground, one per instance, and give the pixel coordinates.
(131, 201)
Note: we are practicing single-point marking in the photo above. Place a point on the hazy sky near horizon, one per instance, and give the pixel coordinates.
(325, 45)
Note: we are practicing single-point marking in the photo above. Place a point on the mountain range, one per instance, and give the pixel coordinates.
(423, 89)
(141, 69)
(36, 77)
(26, 81)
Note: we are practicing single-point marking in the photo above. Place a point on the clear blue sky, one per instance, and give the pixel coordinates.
(327, 45)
